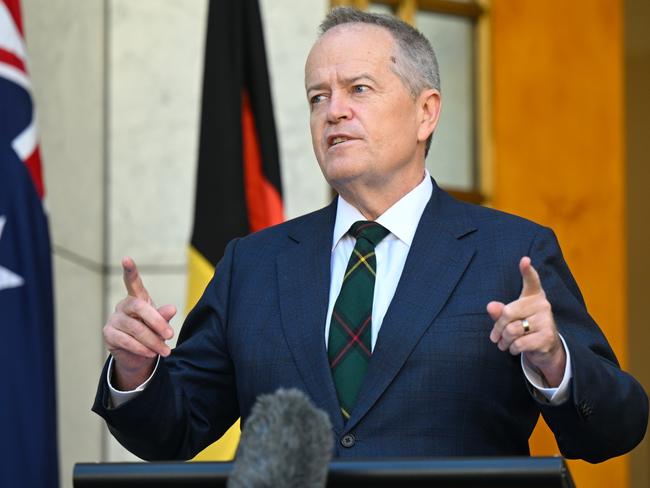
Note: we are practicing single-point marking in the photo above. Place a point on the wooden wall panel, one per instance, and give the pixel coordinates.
(637, 149)
(557, 113)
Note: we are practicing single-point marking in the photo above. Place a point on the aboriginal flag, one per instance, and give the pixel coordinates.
(27, 394)
(238, 187)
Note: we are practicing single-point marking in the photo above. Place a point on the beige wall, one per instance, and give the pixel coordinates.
(117, 89)
(65, 42)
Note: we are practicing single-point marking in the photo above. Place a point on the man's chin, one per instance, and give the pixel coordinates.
(342, 180)
(343, 168)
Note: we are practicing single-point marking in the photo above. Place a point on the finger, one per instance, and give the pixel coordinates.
(167, 312)
(541, 339)
(520, 309)
(512, 312)
(118, 340)
(497, 330)
(495, 309)
(512, 332)
(132, 280)
(145, 312)
(524, 343)
(508, 336)
(143, 334)
(532, 285)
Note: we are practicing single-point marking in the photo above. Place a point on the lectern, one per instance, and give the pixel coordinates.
(529, 472)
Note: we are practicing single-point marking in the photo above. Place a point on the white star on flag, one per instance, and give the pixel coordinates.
(8, 279)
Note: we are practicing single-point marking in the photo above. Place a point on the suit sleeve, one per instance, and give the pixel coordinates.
(191, 400)
(606, 413)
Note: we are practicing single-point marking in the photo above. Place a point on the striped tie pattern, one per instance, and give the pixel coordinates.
(349, 347)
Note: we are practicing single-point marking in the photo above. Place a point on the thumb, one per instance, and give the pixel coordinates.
(495, 309)
(167, 312)
(531, 284)
(132, 280)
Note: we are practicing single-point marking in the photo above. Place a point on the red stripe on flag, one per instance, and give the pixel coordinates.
(14, 9)
(33, 163)
(11, 59)
(263, 201)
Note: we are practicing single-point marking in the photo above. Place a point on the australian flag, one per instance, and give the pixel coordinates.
(28, 457)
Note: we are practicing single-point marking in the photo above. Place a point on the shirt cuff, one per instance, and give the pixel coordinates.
(554, 396)
(118, 397)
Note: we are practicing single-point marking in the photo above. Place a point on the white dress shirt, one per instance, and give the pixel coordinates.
(401, 220)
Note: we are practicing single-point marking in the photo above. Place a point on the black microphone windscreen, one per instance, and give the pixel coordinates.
(286, 442)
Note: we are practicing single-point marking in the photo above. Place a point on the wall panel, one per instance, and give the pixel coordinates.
(558, 108)
(637, 128)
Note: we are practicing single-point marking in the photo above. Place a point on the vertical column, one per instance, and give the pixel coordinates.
(558, 111)
(155, 75)
(66, 53)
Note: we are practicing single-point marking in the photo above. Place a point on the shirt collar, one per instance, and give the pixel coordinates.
(401, 219)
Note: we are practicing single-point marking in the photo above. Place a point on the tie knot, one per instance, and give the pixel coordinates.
(370, 231)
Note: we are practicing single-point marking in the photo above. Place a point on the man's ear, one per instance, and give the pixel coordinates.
(429, 104)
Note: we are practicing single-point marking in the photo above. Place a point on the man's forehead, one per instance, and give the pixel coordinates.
(348, 48)
(354, 35)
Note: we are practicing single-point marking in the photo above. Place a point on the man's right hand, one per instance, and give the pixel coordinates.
(135, 333)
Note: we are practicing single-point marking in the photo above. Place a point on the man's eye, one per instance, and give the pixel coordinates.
(360, 88)
(316, 99)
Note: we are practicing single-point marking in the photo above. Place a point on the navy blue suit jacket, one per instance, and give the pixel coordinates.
(435, 386)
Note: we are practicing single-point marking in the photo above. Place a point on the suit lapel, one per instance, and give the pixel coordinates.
(436, 261)
(304, 280)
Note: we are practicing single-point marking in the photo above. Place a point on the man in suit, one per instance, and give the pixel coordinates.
(475, 324)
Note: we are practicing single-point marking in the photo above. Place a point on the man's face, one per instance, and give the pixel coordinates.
(364, 122)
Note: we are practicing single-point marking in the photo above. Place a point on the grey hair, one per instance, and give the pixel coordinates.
(415, 62)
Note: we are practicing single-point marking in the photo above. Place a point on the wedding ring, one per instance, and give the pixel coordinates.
(526, 326)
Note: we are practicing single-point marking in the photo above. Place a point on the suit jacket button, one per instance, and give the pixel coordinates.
(348, 440)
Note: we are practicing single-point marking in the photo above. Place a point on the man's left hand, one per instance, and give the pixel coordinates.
(539, 341)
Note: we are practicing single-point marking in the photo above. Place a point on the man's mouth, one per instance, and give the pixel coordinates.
(334, 140)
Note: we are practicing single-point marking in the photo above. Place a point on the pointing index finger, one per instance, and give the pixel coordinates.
(532, 285)
(133, 281)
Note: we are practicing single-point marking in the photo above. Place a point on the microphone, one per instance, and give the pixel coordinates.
(286, 442)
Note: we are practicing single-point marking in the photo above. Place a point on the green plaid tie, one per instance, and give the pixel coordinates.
(350, 328)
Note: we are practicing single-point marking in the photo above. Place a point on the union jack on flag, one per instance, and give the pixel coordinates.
(13, 69)
(27, 393)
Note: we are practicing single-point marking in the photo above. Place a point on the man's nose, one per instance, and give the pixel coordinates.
(338, 107)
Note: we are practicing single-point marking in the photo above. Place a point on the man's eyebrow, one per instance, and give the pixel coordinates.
(353, 79)
(316, 86)
(345, 81)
